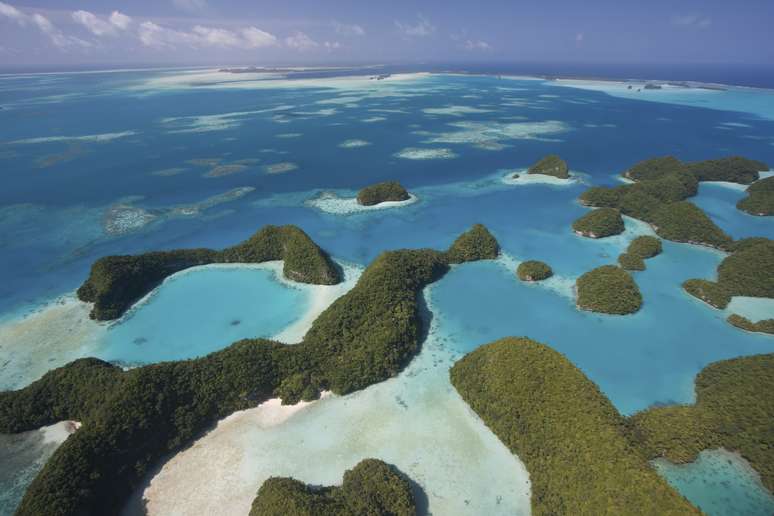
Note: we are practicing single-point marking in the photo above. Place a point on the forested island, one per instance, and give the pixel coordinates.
(639, 250)
(116, 282)
(599, 223)
(382, 192)
(734, 409)
(609, 290)
(762, 326)
(659, 192)
(132, 419)
(747, 271)
(760, 198)
(534, 270)
(546, 411)
(551, 165)
(574, 443)
(370, 488)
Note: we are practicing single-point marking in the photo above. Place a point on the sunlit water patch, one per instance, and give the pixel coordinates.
(202, 310)
(719, 483)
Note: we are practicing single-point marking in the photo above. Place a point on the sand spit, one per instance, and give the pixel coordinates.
(329, 202)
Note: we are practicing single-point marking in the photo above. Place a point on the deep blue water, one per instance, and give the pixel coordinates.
(58, 196)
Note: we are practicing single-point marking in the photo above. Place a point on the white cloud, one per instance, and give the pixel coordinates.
(153, 35)
(476, 45)
(348, 30)
(120, 20)
(256, 38)
(93, 24)
(216, 37)
(13, 13)
(691, 20)
(421, 29)
(332, 45)
(55, 35)
(44, 25)
(300, 41)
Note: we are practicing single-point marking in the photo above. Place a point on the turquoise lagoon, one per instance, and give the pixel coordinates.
(205, 159)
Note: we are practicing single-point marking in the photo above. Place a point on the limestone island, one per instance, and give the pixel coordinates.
(760, 198)
(747, 271)
(743, 323)
(134, 418)
(549, 414)
(599, 223)
(116, 282)
(734, 409)
(639, 250)
(370, 488)
(388, 191)
(659, 192)
(533, 270)
(551, 165)
(608, 290)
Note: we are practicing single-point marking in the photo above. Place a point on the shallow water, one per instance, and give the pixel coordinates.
(719, 483)
(200, 160)
(202, 310)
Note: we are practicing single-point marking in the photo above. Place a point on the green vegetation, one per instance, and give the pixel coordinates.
(475, 244)
(760, 198)
(551, 165)
(640, 249)
(631, 262)
(734, 169)
(660, 189)
(573, 442)
(745, 272)
(382, 192)
(645, 247)
(708, 291)
(599, 223)
(115, 282)
(685, 222)
(372, 488)
(133, 418)
(734, 409)
(608, 289)
(533, 270)
(654, 168)
(764, 326)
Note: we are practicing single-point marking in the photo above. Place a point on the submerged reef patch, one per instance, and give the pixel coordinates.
(417, 153)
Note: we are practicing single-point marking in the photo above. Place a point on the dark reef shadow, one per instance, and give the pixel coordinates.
(420, 497)
(425, 317)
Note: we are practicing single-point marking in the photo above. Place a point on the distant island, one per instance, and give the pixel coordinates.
(382, 192)
(608, 290)
(545, 410)
(639, 250)
(551, 165)
(533, 270)
(599, 223)
(115, 282)
(370, 488)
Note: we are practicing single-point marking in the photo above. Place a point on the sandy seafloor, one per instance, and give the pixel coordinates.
(204, 158)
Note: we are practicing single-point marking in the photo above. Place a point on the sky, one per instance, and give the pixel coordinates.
(272, 32)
